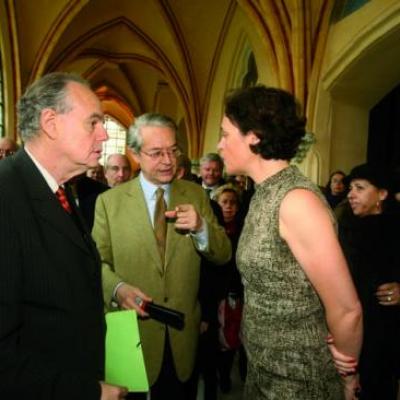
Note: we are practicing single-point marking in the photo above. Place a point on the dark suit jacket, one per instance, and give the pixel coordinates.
(87, 190)
(51, 304)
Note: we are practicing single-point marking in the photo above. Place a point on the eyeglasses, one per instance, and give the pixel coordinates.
(157, 155)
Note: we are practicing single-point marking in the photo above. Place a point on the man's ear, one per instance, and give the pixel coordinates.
(48, 123)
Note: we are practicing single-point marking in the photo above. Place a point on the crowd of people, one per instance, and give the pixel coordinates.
(301, 283)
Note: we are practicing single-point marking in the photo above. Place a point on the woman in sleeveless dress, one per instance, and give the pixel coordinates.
(298, 289)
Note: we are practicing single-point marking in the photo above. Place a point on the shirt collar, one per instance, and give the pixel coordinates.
(50, 180)
(149, 188)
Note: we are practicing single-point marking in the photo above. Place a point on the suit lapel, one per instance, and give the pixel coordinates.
(133, 208)
(44, 203)
(87, 236)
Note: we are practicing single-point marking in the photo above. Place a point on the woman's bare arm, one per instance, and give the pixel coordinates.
(306, 226)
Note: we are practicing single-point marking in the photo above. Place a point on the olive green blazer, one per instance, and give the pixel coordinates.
(127, 245)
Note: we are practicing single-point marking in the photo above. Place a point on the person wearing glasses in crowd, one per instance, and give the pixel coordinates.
(117, 169)
(7, 147)
(154, 254)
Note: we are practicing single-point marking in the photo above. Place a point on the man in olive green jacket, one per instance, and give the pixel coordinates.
(132, 264)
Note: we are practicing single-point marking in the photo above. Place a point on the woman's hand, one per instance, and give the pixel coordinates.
(388, 294)
(347, 368)
(345, 365)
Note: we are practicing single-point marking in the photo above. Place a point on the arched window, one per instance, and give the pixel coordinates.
(116, 142)
(1, 100)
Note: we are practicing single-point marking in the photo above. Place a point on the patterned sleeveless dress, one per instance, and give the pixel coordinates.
(283, 324)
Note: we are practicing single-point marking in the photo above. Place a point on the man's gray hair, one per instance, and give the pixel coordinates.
(110, 156)
(48, 92)
(135, 138)
(212, 157)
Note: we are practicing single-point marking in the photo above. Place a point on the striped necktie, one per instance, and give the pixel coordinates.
(62, 198)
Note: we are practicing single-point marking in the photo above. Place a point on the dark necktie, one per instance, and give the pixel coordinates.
(62, 198)
(160, 223)
(208, 191)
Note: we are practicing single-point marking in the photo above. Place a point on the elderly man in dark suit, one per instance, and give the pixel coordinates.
(51, 304)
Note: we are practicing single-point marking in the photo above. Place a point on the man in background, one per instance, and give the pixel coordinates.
(96, 173)
(117, 169)
(152, 254)
(52, 327)
(211, 168)
(184, 168)
(7, 147)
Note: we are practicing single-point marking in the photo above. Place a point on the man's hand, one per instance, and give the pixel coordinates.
(111, 392)
(126, 296)
(186, 218)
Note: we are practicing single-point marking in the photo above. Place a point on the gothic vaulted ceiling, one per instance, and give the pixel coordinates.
(138, 54)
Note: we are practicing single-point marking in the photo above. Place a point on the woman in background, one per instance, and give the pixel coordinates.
(335, 190)
(296, 282)
(230, 308)
(370, 241)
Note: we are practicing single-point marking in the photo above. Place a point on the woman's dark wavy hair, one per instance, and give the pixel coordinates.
(274, 117)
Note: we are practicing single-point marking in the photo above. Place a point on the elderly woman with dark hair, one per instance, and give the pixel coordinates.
(369, 236)
(296, 281)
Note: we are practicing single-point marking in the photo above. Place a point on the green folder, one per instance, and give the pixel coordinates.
(124, 356)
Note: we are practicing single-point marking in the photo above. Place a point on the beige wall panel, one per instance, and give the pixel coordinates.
(165, 101)
(349, 135)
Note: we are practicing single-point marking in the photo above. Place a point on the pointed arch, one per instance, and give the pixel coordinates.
(159, 61)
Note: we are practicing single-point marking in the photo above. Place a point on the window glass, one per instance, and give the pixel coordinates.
(116, 142)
